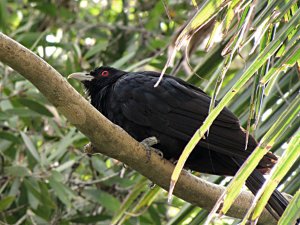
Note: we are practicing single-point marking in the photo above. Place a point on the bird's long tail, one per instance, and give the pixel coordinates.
(277, 202)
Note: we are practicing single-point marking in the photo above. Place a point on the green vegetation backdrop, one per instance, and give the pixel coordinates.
(45, 178)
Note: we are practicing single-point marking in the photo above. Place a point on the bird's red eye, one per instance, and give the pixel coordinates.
(104, 73)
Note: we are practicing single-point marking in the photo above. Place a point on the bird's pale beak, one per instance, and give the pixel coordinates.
(81, 76)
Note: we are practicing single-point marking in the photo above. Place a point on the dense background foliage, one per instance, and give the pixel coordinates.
(45, 178)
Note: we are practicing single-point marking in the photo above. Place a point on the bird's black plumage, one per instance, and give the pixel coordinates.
(172, 112)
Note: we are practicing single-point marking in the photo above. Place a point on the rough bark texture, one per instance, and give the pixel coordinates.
(110, 139)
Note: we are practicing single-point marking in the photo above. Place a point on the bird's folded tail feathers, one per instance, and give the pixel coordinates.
(277, 202)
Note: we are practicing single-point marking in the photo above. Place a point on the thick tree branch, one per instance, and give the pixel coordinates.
(110, 139)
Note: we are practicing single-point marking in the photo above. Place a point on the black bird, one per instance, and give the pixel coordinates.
(172, 112)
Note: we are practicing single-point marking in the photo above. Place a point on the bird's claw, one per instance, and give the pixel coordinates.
(152, 185)
(173, 161)
(148, 143)
(160, 153)
(89, 149)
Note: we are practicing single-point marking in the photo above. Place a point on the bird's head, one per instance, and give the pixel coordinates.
(97, 78)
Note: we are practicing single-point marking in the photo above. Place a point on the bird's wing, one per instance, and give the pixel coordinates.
(177, 109)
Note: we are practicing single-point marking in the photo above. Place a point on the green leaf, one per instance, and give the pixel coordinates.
(106, 200)
(252, 68)
(28, 38)
(45, 194)
(35, 197)
(128, 202)
(6, 202)
(3, 15)
(100, 46)
(292, 212)
(289, 59)
(21, 112)
(17, 171)
(4, 116)
(35, 106)
(62, 191)
(291, 154)
(145, 200)
(278, 128)
(123, 60)
(9, 137)
(89, 219)
(48, 8)
(64, 143)
(30, 146)
(207, 12)
(65, 165)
